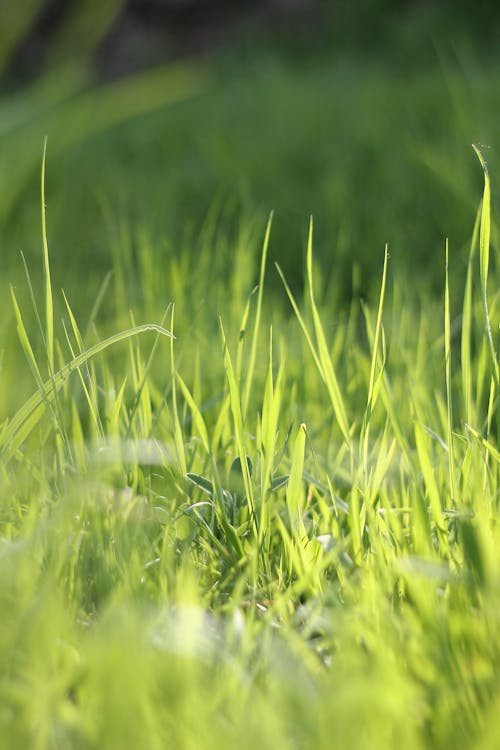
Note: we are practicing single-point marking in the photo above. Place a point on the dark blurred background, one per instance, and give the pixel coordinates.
(161, 113)
(121, 36)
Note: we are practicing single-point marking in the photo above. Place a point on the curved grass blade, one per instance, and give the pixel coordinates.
(484, 257)
(23, 422)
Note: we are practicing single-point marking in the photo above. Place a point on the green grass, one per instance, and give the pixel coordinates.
(249, 462)
(377, 152)
(275, 530)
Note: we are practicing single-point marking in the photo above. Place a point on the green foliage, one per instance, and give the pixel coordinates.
(278, 528)
(184, 563)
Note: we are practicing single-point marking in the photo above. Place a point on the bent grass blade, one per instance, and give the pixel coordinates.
(24, 421)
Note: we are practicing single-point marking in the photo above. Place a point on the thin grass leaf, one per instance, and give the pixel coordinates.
(29, 414)
(198, 421)
(484, 257)
(238, 427)
(447, 358)
(49, 305)
(428, 473)
(378, 326)
(90, 397)
(25, 342)
(258, 311)
(178, 438)
(324, 355)
(295, 487)
(466, 337)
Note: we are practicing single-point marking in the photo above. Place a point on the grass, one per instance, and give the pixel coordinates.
(250, 474)
(378, 153)
(269, 530)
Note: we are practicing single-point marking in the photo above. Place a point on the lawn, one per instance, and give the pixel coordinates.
(248, 458)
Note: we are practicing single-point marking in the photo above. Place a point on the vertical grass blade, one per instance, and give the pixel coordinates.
(466, 337)
(484, 257)
(295, 490)
(328, 370)
(378, 327)
(253, 348)
(447, 356)
(49, 307)
(236, 411)
(178, 438)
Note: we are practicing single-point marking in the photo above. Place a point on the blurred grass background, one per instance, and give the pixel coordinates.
(160, 113)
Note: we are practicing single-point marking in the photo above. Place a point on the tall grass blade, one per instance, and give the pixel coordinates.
(258, 311)
(447, 357)
(324, 355)
(236, 411)
(49, 306)
(295, 489)
(484, 257)
(466, 337)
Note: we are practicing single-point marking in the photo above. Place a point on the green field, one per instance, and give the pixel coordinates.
(249, 464)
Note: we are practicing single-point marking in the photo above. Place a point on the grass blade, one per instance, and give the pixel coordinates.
(49, 306)
(484, 257)
(29, 414)
(253, 348)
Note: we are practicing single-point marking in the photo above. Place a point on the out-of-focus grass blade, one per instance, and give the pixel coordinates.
(198, 420)
(253, 348)
(49, 305)
(378, 327)
(484, 257)
(238, 427)
(25, 342)
(15, 431)
(179, 441)
(447, 358)
(295, 489)
(83, 113)
(467, 327)
(433, 494)
(494, 453)
(324, 355)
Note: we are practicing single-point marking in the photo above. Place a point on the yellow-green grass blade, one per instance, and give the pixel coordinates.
(90, 395)
(49, 305)
(24, 339)
(428, 473)
(302, 323)
(295, 488)
(142, 403)
(198, 421)
(178, 439)
(484, 257)
(25, 419)
(491, 450)
(465, 358)
(328, 369)
(378, 327)
(236, 411)
(374, 382)
(449, 402)
(256, 327)
(241, 340)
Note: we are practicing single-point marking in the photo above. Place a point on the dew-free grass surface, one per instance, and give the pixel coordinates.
(275, 530)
